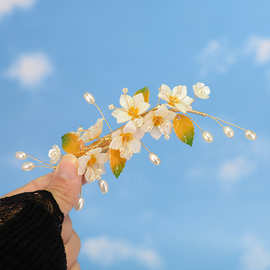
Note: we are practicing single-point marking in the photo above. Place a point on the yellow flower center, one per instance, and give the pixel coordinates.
(92, 161)
(126, 137)
(173, 100)
(133, 112)
(157, 120)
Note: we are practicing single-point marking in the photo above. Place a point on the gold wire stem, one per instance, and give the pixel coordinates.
(36, 159)
(105, 141)
(234, 125)
(103, 116)
(216, 119)
(146, 148)
(44, 166)
(196, 124)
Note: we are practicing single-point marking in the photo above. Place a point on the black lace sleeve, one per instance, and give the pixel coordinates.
(30, 232)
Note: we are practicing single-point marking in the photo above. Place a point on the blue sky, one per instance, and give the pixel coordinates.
(204, 207)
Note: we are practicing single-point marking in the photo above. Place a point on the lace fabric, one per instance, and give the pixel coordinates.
(30, 232)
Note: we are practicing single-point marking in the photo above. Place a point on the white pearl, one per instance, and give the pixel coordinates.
(89, 98)
(80, 204)
(21, 155)
(228, 131)
(207, 136)
(125, 91)
(154, 159)
(28, 166)
(103, 185)
(250, 135)
(111, 107)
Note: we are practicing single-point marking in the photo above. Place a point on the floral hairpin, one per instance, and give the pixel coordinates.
(93, 151)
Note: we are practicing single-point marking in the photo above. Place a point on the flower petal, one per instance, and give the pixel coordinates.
(121, 115)
(187, 100)
(139, 133)
(182, 107)
(116, 133)
(130, 127)
(170, 115)
(82, 164)
(116, 143)
(180, 91)
(165, 89)
(102, 158)
(126, 101)
(134, 146)
(138, 99)
(155, 133)
(166, 128)
(125, 153)
(143, 107)
(164, 92)
(90, 175)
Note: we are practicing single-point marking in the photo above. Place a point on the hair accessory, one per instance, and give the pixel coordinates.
(137, 119)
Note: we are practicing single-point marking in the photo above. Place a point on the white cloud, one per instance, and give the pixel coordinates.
(216, 57)
(105, 251)
(255, 256)
(7, 6)
(235, 169)
(30, 69)
(260, 47)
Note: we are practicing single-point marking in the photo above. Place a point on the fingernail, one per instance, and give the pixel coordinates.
(68, 167)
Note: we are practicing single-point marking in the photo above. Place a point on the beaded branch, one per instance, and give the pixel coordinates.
(118, 146)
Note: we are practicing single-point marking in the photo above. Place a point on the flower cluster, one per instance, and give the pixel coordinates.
(137, 119)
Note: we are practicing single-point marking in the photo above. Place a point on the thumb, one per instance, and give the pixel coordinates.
(65, 184)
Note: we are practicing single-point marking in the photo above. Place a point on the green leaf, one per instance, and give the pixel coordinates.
(146, 93)
(117, 163)
(71, 143)
(184, 128)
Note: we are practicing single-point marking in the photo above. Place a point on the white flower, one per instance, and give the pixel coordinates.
(201, 90)
(158, 122)
(132, 108)
(127, 140)
(54, 154)
(93, 132)
(177, 97)
(91, 164)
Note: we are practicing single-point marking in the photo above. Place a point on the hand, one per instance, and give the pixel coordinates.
(65, 186)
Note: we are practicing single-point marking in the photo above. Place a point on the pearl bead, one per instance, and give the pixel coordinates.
(111, 107)
(21, 155)
(28, 166)
(80, 204)
(154, 159)
(207, 136)
(250, 135)
(103, 185)
(228, 131)
(89, 98)
(125, 91)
